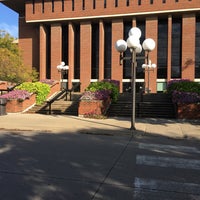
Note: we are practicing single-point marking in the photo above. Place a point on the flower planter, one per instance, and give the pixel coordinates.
(93, 108)
(14, 105)
(188, 111)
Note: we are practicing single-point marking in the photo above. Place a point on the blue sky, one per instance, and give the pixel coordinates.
(8, 21)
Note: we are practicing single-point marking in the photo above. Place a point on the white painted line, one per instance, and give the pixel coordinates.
(168, 148)
(167, 186)
(168, 162)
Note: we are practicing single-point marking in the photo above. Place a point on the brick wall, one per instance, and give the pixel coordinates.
(79, 11)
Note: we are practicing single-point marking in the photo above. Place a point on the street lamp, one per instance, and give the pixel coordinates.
(133, 43)
(63, 69)
(148, 67)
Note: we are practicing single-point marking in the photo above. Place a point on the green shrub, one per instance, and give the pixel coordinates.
(183, 85)
(104, 85)
(40, 89)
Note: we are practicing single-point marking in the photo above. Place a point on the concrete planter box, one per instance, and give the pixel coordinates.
(93, 108)
(14, 105)
(188, 111)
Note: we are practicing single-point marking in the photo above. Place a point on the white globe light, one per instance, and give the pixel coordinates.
(153, 65)
(62, 63)
(144, 66)
(133, 42)
(136, 32)
(121, 45)
(139, 49)
(149, 44)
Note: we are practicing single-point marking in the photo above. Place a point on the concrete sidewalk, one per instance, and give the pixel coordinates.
(70, 124)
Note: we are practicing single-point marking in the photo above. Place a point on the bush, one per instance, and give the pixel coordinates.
(183, 85)
(102, 86)
(40, 89)
(184, 91)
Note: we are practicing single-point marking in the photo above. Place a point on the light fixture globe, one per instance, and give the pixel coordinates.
(149, 44)
(136, 32)
(133, 42)
(62, 63)
(153, 66)
(121, 45)
(138, 48)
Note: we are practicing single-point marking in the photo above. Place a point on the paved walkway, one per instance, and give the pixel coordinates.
(62, 123)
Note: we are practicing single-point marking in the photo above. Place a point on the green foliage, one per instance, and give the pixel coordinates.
(40, 89)
(103, 85)
(12, 68)
(183, 86)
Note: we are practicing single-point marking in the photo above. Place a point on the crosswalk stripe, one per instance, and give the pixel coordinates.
(168, 148)
(169, 186)
(168, 162)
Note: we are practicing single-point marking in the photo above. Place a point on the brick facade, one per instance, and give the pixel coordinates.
(41, 37)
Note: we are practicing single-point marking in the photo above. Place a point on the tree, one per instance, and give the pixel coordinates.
(12, 68)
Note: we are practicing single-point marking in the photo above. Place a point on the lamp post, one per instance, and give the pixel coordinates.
(63, 69)
(148, 67)
(133, 43)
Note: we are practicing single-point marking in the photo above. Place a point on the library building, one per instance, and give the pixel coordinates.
(81, 35)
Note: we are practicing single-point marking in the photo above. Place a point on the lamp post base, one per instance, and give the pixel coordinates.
(132, 128)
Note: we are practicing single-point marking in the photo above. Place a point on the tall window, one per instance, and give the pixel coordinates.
(95, 51)
(127, 63)
(139, 70)
(107, 50)
(162, 48)
(77, 51)
(94, 4)
(176, 48)
(65, 44)
(197, 48)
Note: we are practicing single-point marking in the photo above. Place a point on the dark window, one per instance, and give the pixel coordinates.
(48, 52)
(52, 5)
(176, 48)
(77, 51)
(139, 70)
(72, 5)
(164, 1)
(162, 48)
(104, 3)
(197, 48)
(83, 4)
(33, 2)
(42, 6)
(127, 3)
(107, 50)
(151, 1)
(116, 3)
(94, 4)
(65, 45)
(176, 0)
(139, 2)
(95, 51)
(127, 53)
(63, 5)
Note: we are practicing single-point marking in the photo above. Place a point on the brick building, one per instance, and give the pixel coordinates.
(82, 33)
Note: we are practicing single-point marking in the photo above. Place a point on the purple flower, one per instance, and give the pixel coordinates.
(16, 94)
